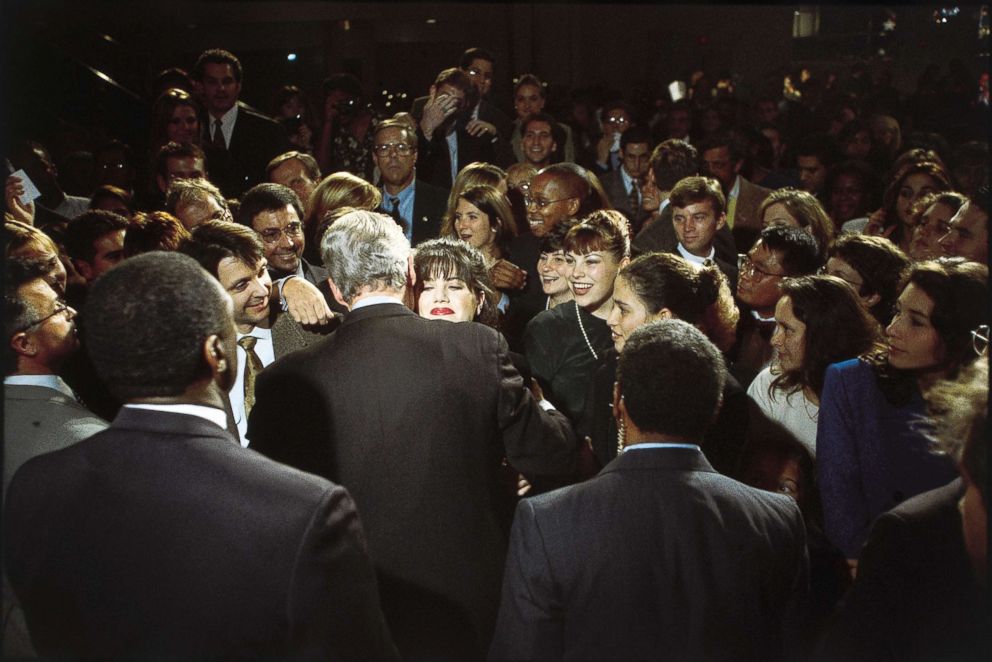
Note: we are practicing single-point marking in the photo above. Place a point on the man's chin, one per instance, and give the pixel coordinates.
(285, 267)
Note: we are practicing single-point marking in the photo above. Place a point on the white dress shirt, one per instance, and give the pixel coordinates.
(266, 352)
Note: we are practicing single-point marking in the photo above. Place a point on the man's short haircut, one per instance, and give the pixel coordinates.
(698, 189)
(268, 197)
(213, 241)
(82, 232)
(109, 191)
(542, 117)
(578, 182)
(729, 139)
(635, 135)
(309, 163)
(173, 150)
(147, 320)
(409, 136)
(216, 56)
(456, 78)
(800, 252)
(529, 79)
(365, 250)
(473, 54)
(183, 192)
(342, 81)
(671, 378)
(672, 161)
(18, 313)
(879, 262)
(153, 231)
(820, 145)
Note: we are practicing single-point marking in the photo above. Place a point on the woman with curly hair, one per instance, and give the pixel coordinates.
(818, 321)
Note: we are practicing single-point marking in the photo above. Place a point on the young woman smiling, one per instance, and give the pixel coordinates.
(563, 344)
(872, 451)
(818, 321)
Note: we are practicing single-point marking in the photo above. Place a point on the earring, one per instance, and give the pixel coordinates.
(621, 437)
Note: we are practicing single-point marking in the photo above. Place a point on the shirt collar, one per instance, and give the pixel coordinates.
(660, 444)
(228, 118)
(216, 416)
(758, 317)
(257, 332)
(403, 195)
(695, 258)
(627, 179)
(374, 300)
(46, 381)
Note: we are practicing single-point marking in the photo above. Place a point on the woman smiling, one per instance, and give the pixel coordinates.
(564, 343)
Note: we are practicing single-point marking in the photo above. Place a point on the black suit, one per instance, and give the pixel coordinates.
(162, 536)
(488, 112)
(620, 198)
(915, 597)
(657, 557)
(256, 140)
(429, 205)
(414, 416)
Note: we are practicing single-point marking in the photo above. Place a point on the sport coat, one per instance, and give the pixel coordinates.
(747, 224)
(619, 197)
(658, 236)
(414, 416)
(161, 536)
(37, 420)
(256, 140)
(656, 557)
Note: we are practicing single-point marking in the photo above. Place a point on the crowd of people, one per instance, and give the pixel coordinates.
(705, 379)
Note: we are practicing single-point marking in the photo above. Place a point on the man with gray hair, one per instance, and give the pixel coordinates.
(195, 201)
(414, 416)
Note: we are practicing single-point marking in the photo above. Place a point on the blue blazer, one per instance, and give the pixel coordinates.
(871, 455)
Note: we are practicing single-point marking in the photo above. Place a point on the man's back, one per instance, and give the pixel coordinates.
(161, 536)
(412, 416)
(657, 557)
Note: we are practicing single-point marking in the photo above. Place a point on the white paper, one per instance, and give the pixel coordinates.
(31, 192)
(677, 90)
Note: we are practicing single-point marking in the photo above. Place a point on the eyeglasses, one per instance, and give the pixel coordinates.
(980, 340)
(403, 149)
(541, 204)
(747, 268)
(292, 231)
(617, 120)
(61, 307)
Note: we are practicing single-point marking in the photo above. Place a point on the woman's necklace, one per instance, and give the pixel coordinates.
(578, 316)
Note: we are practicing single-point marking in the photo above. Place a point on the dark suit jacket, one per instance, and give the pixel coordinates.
(414, 416)
(657, 557)
(915, 597)
(429, 205)
(434, 162)
(162, 536)
(620, 199)
(256, 140)
(658, 236)
(488, 112)
(747, 225)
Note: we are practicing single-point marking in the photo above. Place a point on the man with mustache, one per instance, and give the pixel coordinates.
(233, 254)
(239, 141)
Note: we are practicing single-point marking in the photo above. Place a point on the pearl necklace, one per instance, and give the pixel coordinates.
(582, 328)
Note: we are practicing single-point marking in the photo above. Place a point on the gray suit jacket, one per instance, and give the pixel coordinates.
(619, 197)
(39, 420)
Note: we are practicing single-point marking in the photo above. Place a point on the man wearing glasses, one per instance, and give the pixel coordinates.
(41, 412)
(779, 253)
(414, 204)
(617, 118)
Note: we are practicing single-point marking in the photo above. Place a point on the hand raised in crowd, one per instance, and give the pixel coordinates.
(305, 303)
(438, 108)
(480, 128)
(876, 225)
(11, 195)
(603, 147)
(507, 276)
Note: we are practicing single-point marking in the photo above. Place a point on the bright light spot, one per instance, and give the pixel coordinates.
(388, 104)
(431, 21)
(390, 96)
(291, 57)
(103, 76)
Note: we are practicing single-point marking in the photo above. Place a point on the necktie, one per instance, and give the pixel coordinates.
(635, 203)
(253, 366)
(395, 212)
(218, 139)
(731, 208)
